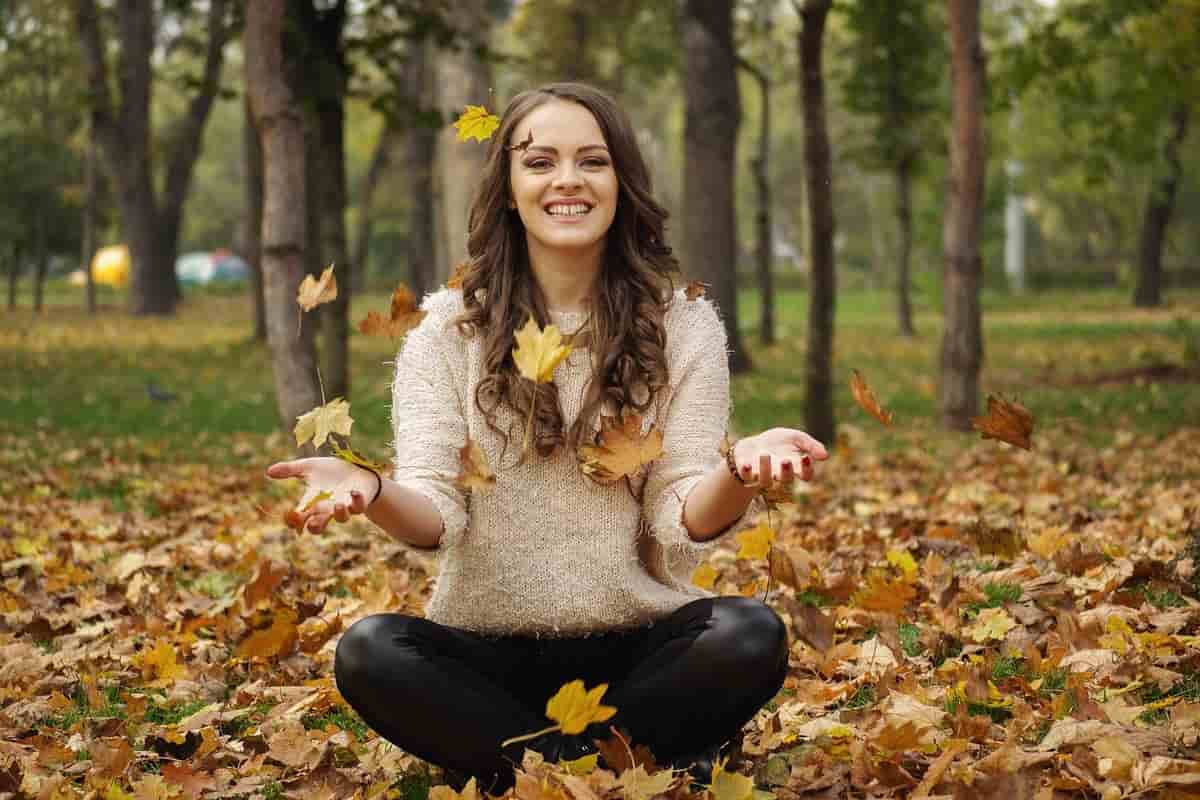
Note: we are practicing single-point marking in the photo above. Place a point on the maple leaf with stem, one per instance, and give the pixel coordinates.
(756, 542)
(1006, 421)
(866, 399)
(537, 353)
(477, 123)
(315, 291)
(318, 424)
(992, 623)
(622, 449)
(573, 707)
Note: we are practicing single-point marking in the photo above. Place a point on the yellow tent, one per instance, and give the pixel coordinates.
(110, 265)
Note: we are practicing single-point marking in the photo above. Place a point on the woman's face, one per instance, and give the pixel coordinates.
(563, 184)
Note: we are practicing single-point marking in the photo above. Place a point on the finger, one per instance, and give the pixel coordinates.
(282, 469)
(806, 468)
(340, 513)
(764, 469)
(316, 523)
(358, 503)
(811, 446)
(787, 472)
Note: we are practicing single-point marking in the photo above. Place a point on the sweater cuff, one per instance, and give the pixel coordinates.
(682, 552)
(454, 517)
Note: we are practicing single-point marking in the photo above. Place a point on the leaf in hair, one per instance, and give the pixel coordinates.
(523, 144)
(697, 289)
(456, 277)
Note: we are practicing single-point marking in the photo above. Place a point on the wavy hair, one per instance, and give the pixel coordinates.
(626, 319)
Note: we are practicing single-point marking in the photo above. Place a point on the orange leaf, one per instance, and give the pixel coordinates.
(193, 782)
(866, 398)
(315, 291)
(622, 449)
(277, 640)
(1006, 421)
(456, 277)
(403, 316)
(696, 289)
(266, 581)
(476, 475)
(883, 593)
(159, 662)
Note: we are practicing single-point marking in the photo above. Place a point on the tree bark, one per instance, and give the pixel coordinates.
(123, 133)
(420, 143)
(252, 221)
(822, 290)
(41, 262)
(962, 338)
(904, 180)
(462, 78)
(713, 115)
(87, 244)
(1159, 207)
(381, 159)
(764, 247)
(279, 120)
(14, 273)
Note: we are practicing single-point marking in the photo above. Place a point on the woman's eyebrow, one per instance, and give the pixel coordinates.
(549, 149)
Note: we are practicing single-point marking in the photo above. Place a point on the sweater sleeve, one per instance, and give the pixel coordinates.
(696, 420)
(427, 414)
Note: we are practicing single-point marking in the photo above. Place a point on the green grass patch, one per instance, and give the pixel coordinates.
(910, 640)
(1186, 688)
(1009, 667)
(1054, 680)
(342, 718)
(996, 595)
(863, 696)
(82, 709)
(171, 713)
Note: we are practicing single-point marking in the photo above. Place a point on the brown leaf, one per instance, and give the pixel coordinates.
(1006, 421)
(697, 289)
(403, 317)
(315, 291)
(866, 398)
(476, 474)
(262, 588)
(456, 277)
(622, 449)
(273, 642)
(193, 781)
(111, 756)
(884, 593)
(783, 569)
(814, 626)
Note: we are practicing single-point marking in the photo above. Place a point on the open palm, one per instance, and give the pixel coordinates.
(350, 488)
(778, 455)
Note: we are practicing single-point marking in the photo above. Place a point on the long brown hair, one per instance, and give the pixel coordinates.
(628, 337)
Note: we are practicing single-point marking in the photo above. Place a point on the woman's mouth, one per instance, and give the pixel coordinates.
(568, 212)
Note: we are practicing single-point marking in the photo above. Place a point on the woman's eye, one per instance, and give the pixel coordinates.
(537, 163)
(596, 162)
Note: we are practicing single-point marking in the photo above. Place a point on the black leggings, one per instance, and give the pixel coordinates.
(450, 696)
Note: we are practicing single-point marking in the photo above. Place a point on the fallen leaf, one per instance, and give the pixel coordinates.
(537, 352)
(992, 623)
(639, 785)
(159, 664)
(866, 399)
(1006, 421)
(315, 291)
(574, 708)
(756, 542)
(730, 785)
(883, 593)
(273, 642)
(442, 792)
(476, 475)
(621, 449)
(475, 122)
(318, 424)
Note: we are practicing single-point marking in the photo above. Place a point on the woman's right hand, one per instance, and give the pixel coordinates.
(350, 488)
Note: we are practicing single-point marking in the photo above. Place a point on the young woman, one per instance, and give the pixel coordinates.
(555, 574)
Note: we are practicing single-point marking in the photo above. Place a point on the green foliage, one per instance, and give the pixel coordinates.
(171, 713)
(1010, 666)
(342, 718)
(910, 640)
(995, 596)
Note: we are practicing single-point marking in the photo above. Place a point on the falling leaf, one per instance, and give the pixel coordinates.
(584, 765)
(883, 593)
(348, 453)
(639, 785)
(316, 498)
(476, 475)
(992, 623)
(696, 289)
(475, 122)
(403, 316)
(456, 277)
(315, 291)
(1006, 421)
(538, 352)
(574, 708)
(265, 584)
(622, 449)
(704, 576)
(333, 417)
(866, 399)
(755, 542)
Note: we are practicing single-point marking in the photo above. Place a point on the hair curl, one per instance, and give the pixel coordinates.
(626, 320)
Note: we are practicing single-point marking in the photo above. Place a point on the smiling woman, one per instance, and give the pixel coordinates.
(560, 573)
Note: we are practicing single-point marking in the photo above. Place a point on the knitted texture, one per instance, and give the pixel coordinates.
(548, 551)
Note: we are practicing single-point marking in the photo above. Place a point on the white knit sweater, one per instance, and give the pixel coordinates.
(549, 552)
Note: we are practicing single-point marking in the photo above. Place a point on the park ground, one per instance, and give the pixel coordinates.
(1033, 614)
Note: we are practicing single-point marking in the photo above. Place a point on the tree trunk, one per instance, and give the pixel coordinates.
(88, 240)
(714, 112)
(962, 338)
(904, 180)
(41, 261)
(462, 79)
(14, 273)
(252, 221)
(1159, 207)
(763, 247)
(419, 146)
(279, 120)
(381, 159)
(818, 169)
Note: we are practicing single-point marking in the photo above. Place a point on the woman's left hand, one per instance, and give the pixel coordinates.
(778, 455)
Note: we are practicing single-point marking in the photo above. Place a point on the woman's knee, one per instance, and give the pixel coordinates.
(362, 646)
(750, 631)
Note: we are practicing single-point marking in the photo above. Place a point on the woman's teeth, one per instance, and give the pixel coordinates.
(569, 211)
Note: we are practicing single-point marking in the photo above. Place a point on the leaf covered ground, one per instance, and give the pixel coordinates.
(966, 618)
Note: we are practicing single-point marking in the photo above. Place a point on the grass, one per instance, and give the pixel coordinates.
(90, 380)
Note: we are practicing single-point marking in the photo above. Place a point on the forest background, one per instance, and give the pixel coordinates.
(956, 199)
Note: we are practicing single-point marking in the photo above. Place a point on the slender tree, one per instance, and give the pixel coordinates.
(962, 338)
(252, 220)
(150, 222)
(271, 82)
(822, 287)
(714, 112)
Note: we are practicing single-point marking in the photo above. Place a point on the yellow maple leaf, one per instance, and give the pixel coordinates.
(348, 453)
(640, 785)
(903, 561)
(756, 542)
(538, 351)
(704, 576)
(622, 449)
(584, 765)
(992, 623)
(315, 291)
(442, 792)
(574, 708)
(476, 474)
(475, 122)
(730, 785)
(333, 417)
(882, 593)
(1048, 543)
(159, 663)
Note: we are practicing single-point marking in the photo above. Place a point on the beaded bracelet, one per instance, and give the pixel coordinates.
(729, 462)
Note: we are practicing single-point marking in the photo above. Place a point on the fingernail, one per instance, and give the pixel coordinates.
(746, 468)
(787, 465)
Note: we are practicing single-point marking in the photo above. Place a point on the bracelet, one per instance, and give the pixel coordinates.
(378, 484)
(729, 462)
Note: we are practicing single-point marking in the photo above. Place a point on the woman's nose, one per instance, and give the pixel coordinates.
(567, 176)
